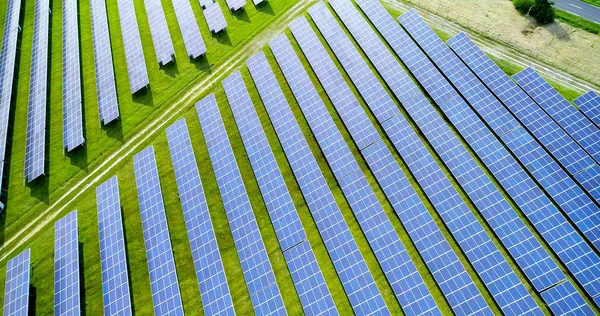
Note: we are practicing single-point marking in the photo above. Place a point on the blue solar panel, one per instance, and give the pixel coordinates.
(216, 297)
(249, 244)
(105, 76)
(71, 79)
(35, 148)
(16, 291)
(487, 260)
(564, 299)
(589, 104)
(562, 111)
(66, 266)
(132, 42)
(235, 5)
(163, 46)
(194, 44)
(283, 214)
(215, 18)
(115, 280)
(570, 247)
(161, 265)
(359, 284)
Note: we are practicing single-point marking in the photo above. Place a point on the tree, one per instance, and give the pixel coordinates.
(541, 10)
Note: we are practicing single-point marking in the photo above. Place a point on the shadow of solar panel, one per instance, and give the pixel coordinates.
(589, 104)
(249, 244)
(214, 18)
(71, 80)
(66, 266)
(105, 77)
(564, 299)
(194, 44)
(562, 111)
(555, 229)
(35, 144)
(235, 5)
(216, 298)
(159, 30)
(113, 261)
(134, 55)
(16, 290)
(161, 265)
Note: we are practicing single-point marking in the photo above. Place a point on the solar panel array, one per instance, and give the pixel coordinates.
(71, 80)
(562, 111)
(215, 18)
(163, 47)
(300, 258)
(113, 260)
(235, 5)
(216, 297)
(66, 266)
(16, 291)
(487, 260)
(564, 299)
(161, 265)
(205, 3)
(589, 104)
(105, 76)
(35, 147)
(258, 273)
(194, 44)
(132, 42)
(577, 255)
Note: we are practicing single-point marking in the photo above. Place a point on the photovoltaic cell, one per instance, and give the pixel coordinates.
(569, 246)
(115, 280)
(72, 111)
(562, 111)
(216, 297)
(215, 18)
(163, 47)
(235, 5)
(132, 42)
(66, 266)
(161, 265)
(564, 299)
(194, 44)
(16, 291)
(258, 273)
(315, 297)
(487, 260)
(589, 104)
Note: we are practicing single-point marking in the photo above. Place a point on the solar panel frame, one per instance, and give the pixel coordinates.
(215, 18)
(192, 39)
(66, 266)
(71, 79)
(212, 281)
(113, 258)
(589, 104)
(132, 44)
(16, 290)
(256, 267)
(159, 30)
(164, 284)
(564, 299)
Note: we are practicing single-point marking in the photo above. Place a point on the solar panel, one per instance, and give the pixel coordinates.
(562, 111)
(215, 18)
(205, 3)
(589, 104)
(66, 266)
(558, 143)
(359, 285)
(16, 291)
(134, 55)
(257, 2)
(194, 44)
(163, 47)
(113, 260)
(35, 148)
(315, 298)
(497, 275)
(161, 265)
(212, 281)
(564, 299)
(569, 246)
(249, 244)
(235, 5)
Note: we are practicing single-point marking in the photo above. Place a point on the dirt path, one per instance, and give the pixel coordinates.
(55, 210)
(500, 31)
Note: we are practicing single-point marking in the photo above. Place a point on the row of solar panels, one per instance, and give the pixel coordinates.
(456, 285)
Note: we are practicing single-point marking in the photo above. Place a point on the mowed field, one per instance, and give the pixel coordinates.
(173, 91)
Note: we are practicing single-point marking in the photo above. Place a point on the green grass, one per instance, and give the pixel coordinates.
(593, 2)
(577, 21)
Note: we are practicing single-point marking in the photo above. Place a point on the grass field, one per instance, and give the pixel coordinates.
(167, 86)
(577, 21)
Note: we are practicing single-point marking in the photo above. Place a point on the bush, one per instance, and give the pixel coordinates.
(541, 10)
